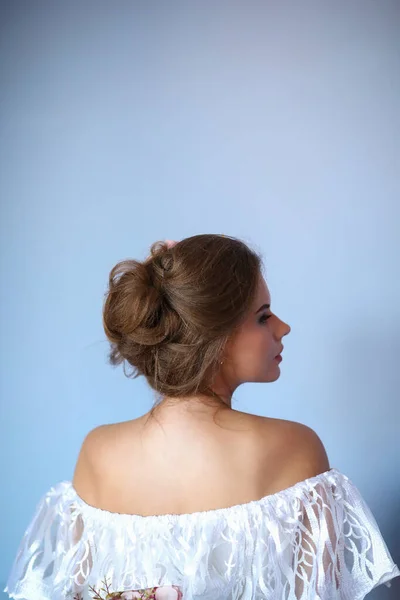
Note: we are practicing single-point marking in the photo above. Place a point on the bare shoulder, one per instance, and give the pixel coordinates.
(93, 450)
(101, 450)
(290, 452)
(302, 452)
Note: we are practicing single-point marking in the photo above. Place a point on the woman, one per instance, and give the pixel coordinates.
(195, 499)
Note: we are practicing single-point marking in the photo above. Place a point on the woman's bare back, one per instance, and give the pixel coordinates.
(184, 463)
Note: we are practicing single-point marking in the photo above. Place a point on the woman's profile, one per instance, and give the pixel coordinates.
(195, 499)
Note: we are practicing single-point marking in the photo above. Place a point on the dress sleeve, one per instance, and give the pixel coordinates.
(54, 555)
(340, 553)
(68, 555)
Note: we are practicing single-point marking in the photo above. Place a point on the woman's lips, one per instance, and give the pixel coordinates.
(278, 358)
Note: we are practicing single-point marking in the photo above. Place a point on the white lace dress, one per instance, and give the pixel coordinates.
(316, 540)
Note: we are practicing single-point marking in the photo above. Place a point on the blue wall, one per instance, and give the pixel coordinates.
(127, 122)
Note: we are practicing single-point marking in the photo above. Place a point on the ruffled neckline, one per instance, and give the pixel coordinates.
(293, 490)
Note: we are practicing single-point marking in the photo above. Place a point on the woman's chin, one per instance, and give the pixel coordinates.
(274, 373)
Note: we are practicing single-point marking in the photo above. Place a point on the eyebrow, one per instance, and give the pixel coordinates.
(262, 308)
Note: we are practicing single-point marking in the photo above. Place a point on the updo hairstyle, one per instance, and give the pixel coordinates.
(170, 316)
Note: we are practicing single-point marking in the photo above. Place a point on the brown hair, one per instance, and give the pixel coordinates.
(170, 316)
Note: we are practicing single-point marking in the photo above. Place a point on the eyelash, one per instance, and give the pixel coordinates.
(264, 319)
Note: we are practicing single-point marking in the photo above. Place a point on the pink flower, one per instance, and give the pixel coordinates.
(178, 589)
(167, 592)
(130, 595)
